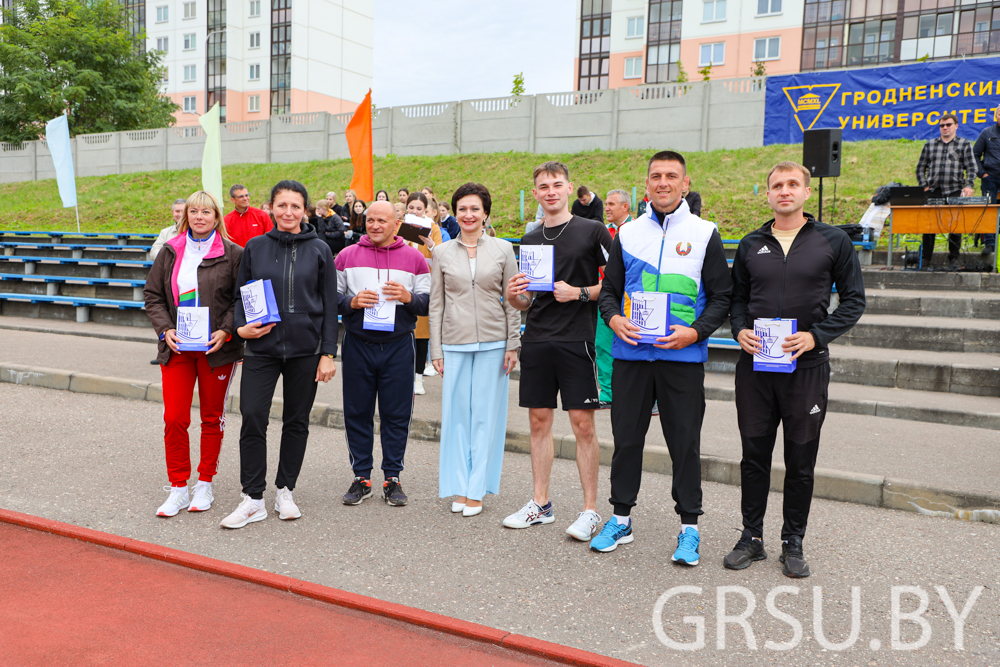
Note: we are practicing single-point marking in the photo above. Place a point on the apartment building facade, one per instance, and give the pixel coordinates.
(633, 42)
(259, 58)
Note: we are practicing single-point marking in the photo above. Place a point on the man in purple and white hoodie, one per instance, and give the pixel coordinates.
(384, 284)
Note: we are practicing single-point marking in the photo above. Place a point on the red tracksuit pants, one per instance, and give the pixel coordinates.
(179, 377)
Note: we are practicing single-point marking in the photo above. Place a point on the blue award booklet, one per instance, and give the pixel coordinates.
(381, 316)
(258, 302)
(193, 333)
(772, 335)
(537, 266)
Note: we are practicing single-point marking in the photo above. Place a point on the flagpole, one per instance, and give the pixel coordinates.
(77, 207)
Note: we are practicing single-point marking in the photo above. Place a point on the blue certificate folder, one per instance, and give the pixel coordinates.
(258, 302)
(772, 335)
(651, 313)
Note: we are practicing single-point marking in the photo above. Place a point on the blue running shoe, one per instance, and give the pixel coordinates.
(611, 536)
(687, 547)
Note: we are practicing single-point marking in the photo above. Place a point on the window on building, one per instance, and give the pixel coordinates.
(253, 103)
(136, 11)
(765, 7)
(712, 54)
(636, 27)
(190, 10)
(190, 104)
(255, 40)
(663, 40)
(767, 48)
(215, 57)
(978, 31)
(255, 72)
(281, 57)
(254, 8)
(595, 44)
(165, 75)
(633, 68)
(162, 14)
(190, 41)
(190, 72)
(713, 11)
(163, 44)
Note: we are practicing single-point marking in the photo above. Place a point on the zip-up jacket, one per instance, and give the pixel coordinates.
(304, 279)
(678, 253)
(768, 284)
(217, 287)
(365, 266)
(987, 152)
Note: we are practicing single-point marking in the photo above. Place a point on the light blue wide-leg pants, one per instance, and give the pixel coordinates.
(473, 423)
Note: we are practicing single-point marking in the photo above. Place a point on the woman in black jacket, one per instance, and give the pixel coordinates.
(300, 348)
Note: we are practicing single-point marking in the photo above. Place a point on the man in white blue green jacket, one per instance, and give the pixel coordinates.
(667, 249)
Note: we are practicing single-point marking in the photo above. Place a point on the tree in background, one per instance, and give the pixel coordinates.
(682, 75)
(77, 57)
(758, 68)
(518, 88)
(706, 73)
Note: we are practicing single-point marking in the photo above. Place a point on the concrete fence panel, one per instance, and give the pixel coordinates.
(245, 142)
(44, 166)
(299, 137)
(736, 113)
(185, 146)
(573, 122)
(100, 154)
(143, 150)
(338, 149)
(661, 117)
(425, 129)
(497, 125)
(17, 161)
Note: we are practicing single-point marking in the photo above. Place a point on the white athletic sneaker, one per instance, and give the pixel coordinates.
(585, 525)
(249, 511)
(418, 385)
(176, 501)
(429, 371)
(201, 498)
(530, 515)
(285, 506)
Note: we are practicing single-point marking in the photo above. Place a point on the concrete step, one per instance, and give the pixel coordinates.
(940, 334)
(970, 373)
(906, 404)
(931, 280)
(934, 303)
(81, 270)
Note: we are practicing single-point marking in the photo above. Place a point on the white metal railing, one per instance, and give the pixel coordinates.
(495, 104)
(95, 139)
(142, 135)
(425, 110)
(573, 99)
(11, 148)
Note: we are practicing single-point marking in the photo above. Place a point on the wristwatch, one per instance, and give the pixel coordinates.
(584, 294)
(331, 356)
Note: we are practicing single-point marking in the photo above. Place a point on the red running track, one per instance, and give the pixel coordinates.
(72, 602)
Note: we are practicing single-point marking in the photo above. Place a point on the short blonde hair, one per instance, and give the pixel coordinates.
(202, 198)
(789, 166)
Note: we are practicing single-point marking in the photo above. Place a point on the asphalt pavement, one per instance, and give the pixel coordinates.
(97, 461)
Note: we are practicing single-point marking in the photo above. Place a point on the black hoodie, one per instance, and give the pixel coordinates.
(304, 278)
(768, 284)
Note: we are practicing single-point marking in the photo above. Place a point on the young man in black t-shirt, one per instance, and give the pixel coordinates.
(557, 348)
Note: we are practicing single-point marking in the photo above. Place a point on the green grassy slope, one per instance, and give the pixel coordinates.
(725, 179)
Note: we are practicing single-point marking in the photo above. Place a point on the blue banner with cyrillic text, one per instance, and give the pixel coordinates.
(897, 102)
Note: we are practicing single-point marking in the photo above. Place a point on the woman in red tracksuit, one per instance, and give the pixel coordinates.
(195, 271)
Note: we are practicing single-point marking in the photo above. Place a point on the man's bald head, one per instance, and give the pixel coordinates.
(381, 223)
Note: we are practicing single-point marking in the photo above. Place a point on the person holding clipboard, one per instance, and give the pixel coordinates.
(297, 343)
(785, 270)
(190, 293)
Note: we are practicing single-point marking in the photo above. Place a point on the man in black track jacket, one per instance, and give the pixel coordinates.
(786, 269)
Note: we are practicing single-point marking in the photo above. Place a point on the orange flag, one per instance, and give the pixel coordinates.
(359, 141)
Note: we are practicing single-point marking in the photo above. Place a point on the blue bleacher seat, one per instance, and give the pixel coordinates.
(34, 277)
(71, 300)
(71, 260)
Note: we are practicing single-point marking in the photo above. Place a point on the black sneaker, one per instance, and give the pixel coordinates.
(746, 551)
(793, 562)
(393, 492)
(361, 488)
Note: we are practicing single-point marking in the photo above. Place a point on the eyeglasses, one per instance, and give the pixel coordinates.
(947, 125)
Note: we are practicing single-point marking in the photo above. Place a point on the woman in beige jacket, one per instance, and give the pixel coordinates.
(475, 337)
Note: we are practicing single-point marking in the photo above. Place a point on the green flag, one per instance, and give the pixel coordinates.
(211, 159)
